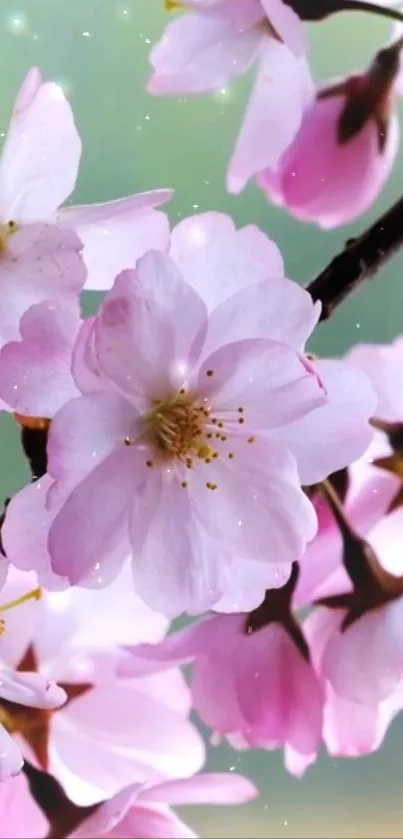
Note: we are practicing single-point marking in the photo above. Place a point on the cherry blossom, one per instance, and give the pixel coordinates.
(212, 42)
(108, 734)
(20, 815)
(234, 690)
(228, 429)
(38, 171)
(344, 151)
(145, 810)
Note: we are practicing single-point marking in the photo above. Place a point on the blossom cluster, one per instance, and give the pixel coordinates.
(191, 457)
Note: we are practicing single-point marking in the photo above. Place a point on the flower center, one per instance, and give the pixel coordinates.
(176, 427)
(6, 230)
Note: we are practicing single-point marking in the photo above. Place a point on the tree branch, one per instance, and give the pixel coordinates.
(359, 261)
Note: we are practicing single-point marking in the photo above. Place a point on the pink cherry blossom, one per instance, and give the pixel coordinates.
(242, 316)
(19, 814)
(108, 734)
(145, 810)
(257, 688)
(38, 171)
(212, 42)
(343, 153)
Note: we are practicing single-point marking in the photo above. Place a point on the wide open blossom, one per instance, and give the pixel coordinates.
(19, 813)
(146, 810)
(213, 41)
(209, 426)
(109, 733)
(38, 171)
(345, 149)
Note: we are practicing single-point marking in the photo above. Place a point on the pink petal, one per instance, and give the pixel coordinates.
(109, 814)
(40, 158)
(271, 381)
(41, 263)
(336, 433)
(30, 690)
(247, 582)
(141, 305)
(175, 567)
(20, 815)
(287, 24)
(90, 531)
(382, 364)
(273, 115)
(27, 92)
(202, 52)
(276, 309)
(86, 371)
(115, 234)
(320, 180)
(10, 758)
(209, 788)
(112, 737)
(218, 260)
(35, 373)
(365, 663)
(259, 511)
(144, 821)
(285, 701)
(297, 763)
(86, 431)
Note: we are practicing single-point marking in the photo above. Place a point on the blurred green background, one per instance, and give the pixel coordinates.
(98, 50)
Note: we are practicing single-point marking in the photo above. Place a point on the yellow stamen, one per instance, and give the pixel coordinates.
(35, 594)
(174, 5)
(6, 230)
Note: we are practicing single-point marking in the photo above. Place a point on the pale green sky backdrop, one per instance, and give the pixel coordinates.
(132, 142)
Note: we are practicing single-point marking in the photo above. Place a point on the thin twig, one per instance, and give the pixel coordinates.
(359, 261)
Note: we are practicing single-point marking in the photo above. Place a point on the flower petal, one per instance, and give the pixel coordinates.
(273, 115)
(10, 756)
(175, 568)
(272, 383)
(202, 52)
(338, 432)
(30, 690)
(41, 263)
(89, 532)
(20, 814)
(205, 788)
(85, 431)
(218, 260)
(115, 234)
(141, 344)
(41, 155)
(25, 533)
(35, 372)
(277, 309)
(259, 511)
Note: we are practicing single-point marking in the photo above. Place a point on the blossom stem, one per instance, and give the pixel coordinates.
(372, 8)
(358, 261)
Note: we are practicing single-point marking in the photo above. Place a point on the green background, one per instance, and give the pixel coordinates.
(98, 49)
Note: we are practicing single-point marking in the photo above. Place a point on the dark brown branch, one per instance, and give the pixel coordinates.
(62, 814)
(359, 261)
